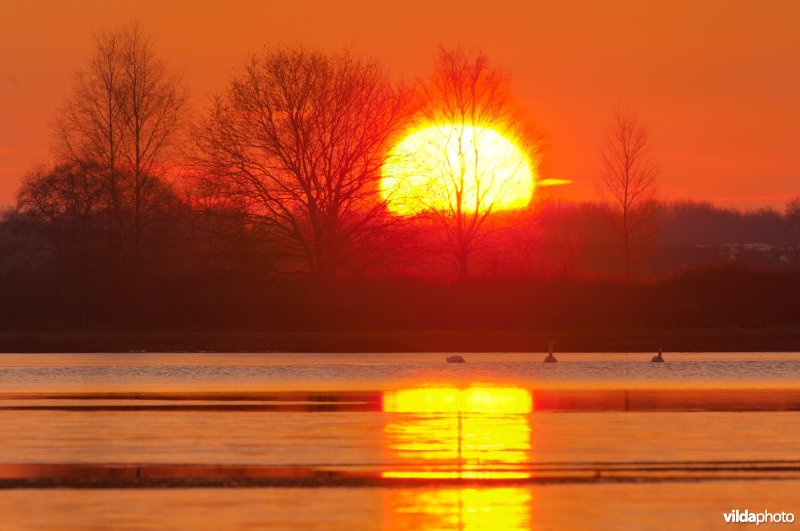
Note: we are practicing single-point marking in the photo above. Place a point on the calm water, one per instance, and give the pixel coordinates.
(548, 507)
(314, 372)
(413, 429)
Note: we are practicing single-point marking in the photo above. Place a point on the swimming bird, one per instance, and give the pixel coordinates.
(657, 359)
(455, 359)
(550, 358)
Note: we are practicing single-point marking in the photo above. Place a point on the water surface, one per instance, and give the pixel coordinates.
(396, 441)
(307, 372)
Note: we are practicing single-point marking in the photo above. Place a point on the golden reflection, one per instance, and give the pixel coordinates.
(478, 432)
(473, 399)
(506, 508)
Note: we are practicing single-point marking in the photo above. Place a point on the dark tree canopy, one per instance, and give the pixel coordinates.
(298, 141)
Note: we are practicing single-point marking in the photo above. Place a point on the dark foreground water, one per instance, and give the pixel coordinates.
(396, 441)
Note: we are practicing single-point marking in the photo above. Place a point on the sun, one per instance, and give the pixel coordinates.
(456, 168)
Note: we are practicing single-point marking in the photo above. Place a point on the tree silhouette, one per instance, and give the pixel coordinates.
(122, 118)
(451, 178)
(298, 140)
(629, 188)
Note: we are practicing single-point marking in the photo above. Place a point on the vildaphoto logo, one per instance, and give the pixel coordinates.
(765, 517)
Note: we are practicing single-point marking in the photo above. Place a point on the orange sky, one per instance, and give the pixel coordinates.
(717, 81)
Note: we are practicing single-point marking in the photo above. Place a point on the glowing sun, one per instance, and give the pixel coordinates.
(453, 168)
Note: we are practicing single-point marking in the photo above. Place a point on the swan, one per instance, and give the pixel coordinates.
(550, 358)
(657, 359)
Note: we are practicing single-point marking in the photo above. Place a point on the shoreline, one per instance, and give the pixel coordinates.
(777, 339)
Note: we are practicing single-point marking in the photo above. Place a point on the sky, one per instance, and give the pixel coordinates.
(716, 82)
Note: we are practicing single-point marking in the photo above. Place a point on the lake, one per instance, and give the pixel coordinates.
(396, 441)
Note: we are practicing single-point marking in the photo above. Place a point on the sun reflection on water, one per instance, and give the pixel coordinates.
(478, 432)
(478, 399)
(506, 508)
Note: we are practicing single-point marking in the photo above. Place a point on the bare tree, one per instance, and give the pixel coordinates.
(123, 117)
(451, 177)
(298, 141)
(629, 188)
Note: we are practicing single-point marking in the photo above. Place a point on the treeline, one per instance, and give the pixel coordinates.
(718, 297)
(575, 239)
(219, 272)
(265, 211)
